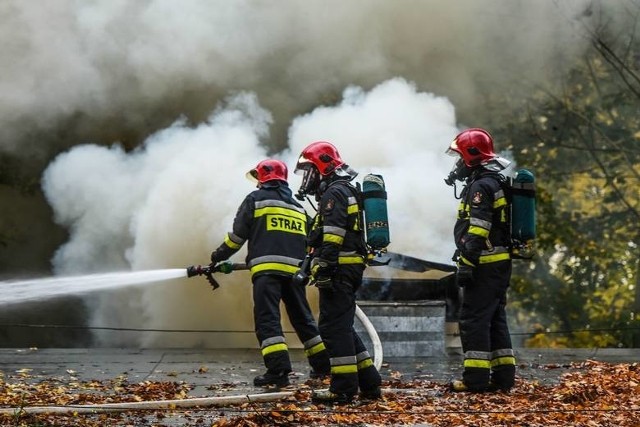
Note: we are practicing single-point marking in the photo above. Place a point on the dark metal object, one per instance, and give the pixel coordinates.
(408, 263)
(208, 270)
(301, 277)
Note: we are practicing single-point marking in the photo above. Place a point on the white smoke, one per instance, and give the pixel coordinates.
(166, 204)
(134, 62)
(169, 203)
(401, 133)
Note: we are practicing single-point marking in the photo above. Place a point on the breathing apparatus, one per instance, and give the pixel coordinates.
(521, 194)
(320, 165)
(459, 172)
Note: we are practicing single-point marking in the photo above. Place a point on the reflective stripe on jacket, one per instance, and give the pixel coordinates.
(275, 226)
(337, 234)
(482, 228)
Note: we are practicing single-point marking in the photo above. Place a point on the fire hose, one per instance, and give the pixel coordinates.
(300, 277)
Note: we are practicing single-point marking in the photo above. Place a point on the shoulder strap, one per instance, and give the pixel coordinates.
(357, 192)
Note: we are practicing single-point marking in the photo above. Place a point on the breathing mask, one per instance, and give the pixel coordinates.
(459, 172)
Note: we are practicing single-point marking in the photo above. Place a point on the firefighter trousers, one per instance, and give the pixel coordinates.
(268, 291)
(484, 333)
(351, 364)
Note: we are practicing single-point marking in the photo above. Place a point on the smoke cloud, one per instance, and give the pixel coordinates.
(147, 114)
(70, 67)
(169, 203)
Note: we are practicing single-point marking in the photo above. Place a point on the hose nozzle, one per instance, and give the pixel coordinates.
(206, 271)
(197, 270)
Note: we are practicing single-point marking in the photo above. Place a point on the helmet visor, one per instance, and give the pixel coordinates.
(303, 165)
(252, 176)
(453, 150)
(310, 180)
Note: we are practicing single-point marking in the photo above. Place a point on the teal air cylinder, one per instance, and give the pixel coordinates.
(375, 211)
(523, 209)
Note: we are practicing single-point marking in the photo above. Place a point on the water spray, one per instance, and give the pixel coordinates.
(18, 291)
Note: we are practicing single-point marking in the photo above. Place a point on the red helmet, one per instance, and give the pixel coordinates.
(323, 155)
(268, 170)
(474, 145)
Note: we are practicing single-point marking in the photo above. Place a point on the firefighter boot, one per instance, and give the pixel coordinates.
(328, 397)
(457, 386)
(319, 375)
(279, 379)
(373, 394)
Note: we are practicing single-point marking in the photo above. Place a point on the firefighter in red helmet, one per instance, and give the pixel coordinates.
(482, 237)
(339, 252)
(275, 225)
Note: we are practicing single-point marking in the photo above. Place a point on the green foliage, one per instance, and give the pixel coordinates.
(583, 144)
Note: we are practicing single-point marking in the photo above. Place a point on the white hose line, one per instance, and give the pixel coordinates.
(221, 401)
(156, 405)
(373, 335)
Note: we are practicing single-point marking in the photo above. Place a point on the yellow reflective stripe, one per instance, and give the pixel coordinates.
(279, 211)
(365, 364)
(486, 259)
(332, 238)
(231, 243)
(500, 203)
(274, 266)
(463, 210)
(477, 363)
(479, 231)
(286, 223)
(506, 360)
(315, 349)
(345, 369)
(466, 261)
(351, 209)
(273, 348)
(350, 260)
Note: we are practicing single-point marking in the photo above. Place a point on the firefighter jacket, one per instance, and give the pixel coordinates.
(481, 231)
(275, 226)
(337, 234)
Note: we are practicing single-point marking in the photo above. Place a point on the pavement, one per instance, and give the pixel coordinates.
(204, 368)
(221, 374)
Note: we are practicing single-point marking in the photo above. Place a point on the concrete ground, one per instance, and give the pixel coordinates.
(208, 370)
(216, 373)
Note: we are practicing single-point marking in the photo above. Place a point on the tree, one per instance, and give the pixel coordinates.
(586, 155)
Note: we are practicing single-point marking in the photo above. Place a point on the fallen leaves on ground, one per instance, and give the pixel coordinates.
(590, 394)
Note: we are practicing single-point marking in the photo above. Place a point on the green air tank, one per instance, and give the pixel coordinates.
(523, 212)
(375, 210)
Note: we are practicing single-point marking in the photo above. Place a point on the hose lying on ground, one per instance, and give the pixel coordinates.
(156, 404)
(373, 335)
(98, 408)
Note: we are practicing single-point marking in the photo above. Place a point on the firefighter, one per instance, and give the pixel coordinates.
(339, 252)
(275, 226)
(482, 238)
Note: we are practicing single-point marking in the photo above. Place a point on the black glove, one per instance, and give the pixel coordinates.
(464, 275)
(324, 282)
(321, 274)
(216, 257)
